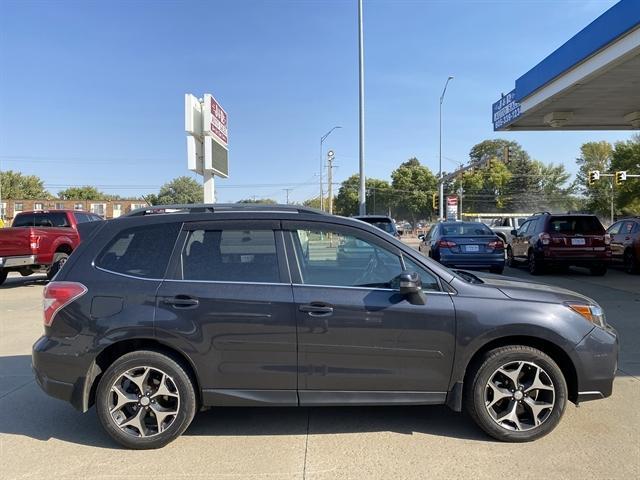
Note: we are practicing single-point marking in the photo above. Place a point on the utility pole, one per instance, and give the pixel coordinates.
(330, 158)
(322, 139)
(361, 191)
(287, 190)
(612, 198)
(440, 179)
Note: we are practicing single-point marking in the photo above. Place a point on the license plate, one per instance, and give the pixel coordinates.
(472, 248)
(578, 241)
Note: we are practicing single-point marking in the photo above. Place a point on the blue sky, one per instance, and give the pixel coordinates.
(93, 92)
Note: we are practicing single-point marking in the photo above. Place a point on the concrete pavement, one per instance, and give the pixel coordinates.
(41, 437)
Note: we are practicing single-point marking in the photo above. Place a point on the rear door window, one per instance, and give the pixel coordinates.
(140, 251)
(583, 225)
(230, 256)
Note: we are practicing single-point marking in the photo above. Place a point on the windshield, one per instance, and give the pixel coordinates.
(466, 229)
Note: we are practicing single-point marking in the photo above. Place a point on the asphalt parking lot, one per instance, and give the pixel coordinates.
(41, 437)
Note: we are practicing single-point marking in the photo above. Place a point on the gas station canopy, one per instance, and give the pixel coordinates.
(592, 82)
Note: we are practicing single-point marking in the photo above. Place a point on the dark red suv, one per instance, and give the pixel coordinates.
(561, 240)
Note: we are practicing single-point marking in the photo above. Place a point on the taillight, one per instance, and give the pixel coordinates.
(545, 238)
(34, 241)
(447, 244)
(496, 244)
(58, 295)
(607, 239)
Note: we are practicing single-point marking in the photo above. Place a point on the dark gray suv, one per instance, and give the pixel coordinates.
(171, 309)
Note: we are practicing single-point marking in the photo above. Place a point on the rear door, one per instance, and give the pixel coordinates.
(357, 336)
(227, 301)
(520, 243)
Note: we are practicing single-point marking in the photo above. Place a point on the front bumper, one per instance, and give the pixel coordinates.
(597, 362)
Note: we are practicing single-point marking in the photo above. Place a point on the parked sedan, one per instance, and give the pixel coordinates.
(625, 243)
(465, 245)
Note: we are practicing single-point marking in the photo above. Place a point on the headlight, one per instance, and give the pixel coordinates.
(592, 313)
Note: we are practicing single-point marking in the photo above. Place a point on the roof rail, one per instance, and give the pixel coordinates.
(540, 213)
(220, 207)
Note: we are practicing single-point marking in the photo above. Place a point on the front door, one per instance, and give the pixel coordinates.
(227, 302)
(356, 333)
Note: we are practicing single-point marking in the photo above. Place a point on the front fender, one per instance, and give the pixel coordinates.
(483, 321)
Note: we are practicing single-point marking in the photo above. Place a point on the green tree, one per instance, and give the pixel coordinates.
(81, 193)
(15, 185)
(595, 156)
(180, 190)
(314, 202)
(413, 186)
(626, 157)
(377, 196)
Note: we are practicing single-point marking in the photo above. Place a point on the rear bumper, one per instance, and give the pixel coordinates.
(596, 364)
(472, 260)
(567, 257)
(18, 261)
(61, 374)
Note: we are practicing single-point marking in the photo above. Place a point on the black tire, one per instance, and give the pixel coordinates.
(598, 271)
(476, 384)
(3, 275)
(184, 387)
(497, 270)
(631, 264)
(536, 265)
(59, 259)
(510, 262)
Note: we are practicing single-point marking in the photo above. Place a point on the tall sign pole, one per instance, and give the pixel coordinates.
(206, 124)
(361, 192)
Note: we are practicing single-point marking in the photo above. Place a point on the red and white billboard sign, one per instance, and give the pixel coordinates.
(452, 207)
(215, 120)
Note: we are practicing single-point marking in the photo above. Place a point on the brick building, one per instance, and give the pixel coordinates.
(105, 208)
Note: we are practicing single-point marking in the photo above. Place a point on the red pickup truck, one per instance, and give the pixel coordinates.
(40, 241)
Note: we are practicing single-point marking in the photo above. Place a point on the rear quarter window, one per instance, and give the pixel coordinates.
(142, 251)
(569, 225)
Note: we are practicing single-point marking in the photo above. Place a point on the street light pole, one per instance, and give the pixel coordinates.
(440, 182)
(322, 139)
(362, 209)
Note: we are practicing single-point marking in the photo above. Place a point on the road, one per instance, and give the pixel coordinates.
(41, 437)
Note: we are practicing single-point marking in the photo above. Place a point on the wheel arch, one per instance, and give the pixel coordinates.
(554, 351)
(64, 248)
(116, 350)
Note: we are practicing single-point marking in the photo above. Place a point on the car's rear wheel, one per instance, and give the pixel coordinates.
(59, 259)
(631, 264)
(536, 264)
(145, 400)
(516, 393)
(3, 275)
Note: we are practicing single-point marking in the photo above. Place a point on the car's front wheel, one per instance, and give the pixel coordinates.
(516, 393)
(145, 400)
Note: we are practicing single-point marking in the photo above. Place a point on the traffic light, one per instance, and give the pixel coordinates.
(594, 175)
(435, 201)
(621, 177)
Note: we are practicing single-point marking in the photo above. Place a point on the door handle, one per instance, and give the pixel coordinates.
(181, 301)
(316, 310)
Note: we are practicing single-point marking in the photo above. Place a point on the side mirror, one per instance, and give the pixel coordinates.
(514, 233)
(421, 236)
(411, 287)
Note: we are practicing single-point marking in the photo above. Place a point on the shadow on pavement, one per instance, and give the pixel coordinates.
(26, 410)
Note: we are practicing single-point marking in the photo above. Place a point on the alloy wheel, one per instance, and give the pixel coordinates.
(144, 401)
(520, 396)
